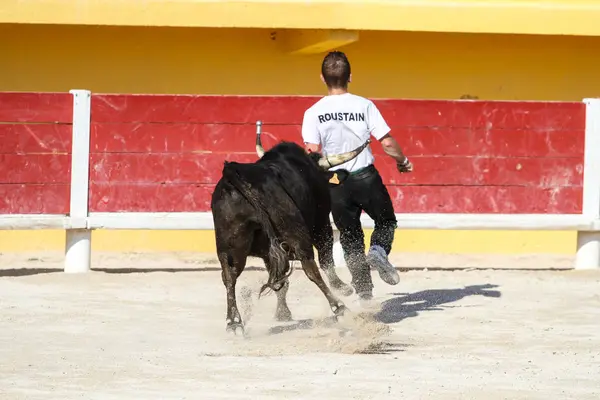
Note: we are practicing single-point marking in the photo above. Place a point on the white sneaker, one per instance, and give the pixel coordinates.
(378, 258)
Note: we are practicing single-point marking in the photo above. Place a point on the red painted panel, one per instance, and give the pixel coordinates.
(35, 168)
(139, 168)
(35, 138)
(486, 199)
(34, 199)
(484, 171)
(231, 138)
(474, 157)
(115, 197)
(36, 107)
(290, 110)
(207, 167)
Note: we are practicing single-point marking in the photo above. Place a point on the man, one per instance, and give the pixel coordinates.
(340, 122)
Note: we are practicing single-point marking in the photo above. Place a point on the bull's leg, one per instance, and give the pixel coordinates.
(312, 272)
(325, 254)
(231, 269)
(282, 312)
(324, 244)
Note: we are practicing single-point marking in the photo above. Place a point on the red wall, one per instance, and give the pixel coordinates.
(165, 153)
(35, 148)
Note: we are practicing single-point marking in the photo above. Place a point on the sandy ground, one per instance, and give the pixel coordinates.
(152, 326)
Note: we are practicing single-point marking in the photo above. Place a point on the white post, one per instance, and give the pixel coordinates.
(79, 238)
(588, 243)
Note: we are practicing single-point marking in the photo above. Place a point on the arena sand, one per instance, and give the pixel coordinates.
(152, 326)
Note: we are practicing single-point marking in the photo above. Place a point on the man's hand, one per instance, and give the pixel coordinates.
(404, 166)
(311, 147)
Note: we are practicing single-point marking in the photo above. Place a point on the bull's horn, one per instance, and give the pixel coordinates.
(259, 149)
(327, 162)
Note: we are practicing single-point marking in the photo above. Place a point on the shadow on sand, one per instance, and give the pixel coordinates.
(409, 305)
(16, 272)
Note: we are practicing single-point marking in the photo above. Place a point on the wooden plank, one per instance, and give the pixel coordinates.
(486, 199)
(204, 221)
(483, 142)
(34, 199)
(38, 221)
(231, 138)
(185, 138)
(187, 197)
(161, 168)
(290, 110)
(529, 115)
(35, 138)
(115, 197)
(206, 168)
(35, 168)
(485, 171)
(199, 109)
(36, 107)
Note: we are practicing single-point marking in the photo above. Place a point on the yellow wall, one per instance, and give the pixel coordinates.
(223, 61)
(562, 17)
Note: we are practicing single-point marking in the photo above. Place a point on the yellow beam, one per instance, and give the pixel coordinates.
(314, 41)
(419, 241)
(556, 17)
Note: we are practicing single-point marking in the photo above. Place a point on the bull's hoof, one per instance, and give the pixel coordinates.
(235, 326)
(340, 314)
(283, 314)
(342, 288)
(237, 329)
(339, 310)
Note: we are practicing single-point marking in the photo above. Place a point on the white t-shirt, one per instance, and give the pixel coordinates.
(341, 123)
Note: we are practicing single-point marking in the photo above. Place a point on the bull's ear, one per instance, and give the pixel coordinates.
(334, 179)
(342, 174)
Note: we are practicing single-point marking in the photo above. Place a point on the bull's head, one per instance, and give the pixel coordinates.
(324, 162)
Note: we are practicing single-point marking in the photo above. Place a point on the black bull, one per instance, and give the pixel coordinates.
(276, 209)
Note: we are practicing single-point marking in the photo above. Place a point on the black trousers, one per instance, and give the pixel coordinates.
(363, 190)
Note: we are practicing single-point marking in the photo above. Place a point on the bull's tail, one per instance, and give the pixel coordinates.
(278, 258)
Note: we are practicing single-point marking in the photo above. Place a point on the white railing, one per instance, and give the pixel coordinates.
(80, 223)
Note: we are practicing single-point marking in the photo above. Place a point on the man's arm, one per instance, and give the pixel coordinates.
(310, 133)
(392, 148)
(381, 131)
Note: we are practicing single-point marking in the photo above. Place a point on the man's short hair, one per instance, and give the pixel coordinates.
(336, 70)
